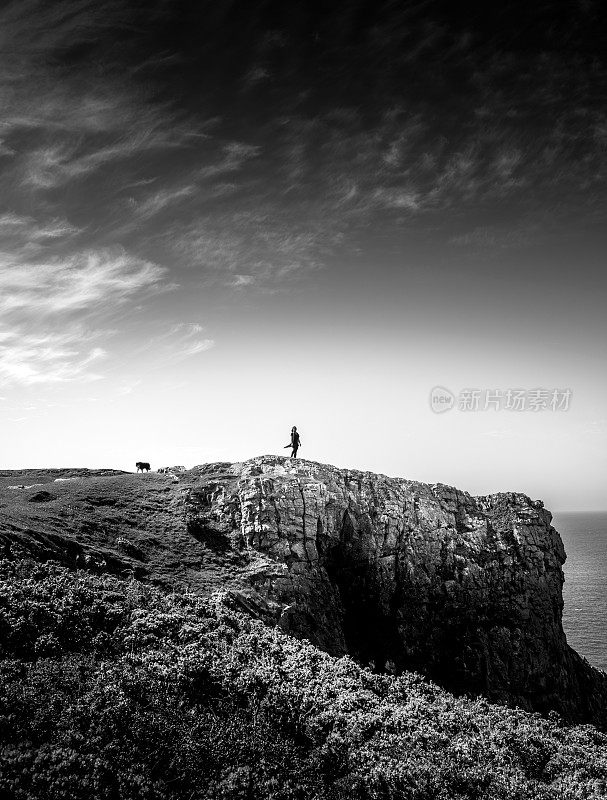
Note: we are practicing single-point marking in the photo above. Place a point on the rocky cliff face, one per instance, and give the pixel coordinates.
(401, 575)
(404, 575)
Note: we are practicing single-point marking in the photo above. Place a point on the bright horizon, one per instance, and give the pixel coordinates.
(219, 223)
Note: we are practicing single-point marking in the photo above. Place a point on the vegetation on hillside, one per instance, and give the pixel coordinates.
(117, 690)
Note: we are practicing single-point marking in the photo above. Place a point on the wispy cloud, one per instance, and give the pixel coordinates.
(186, 339)
(113, 156)
(233, 157)
(496, 238)
(24, 230)
(52, 358)
(62, 125)
(160, 200)
(262, 249)
(240, 281)
(181, 340)
(85, 281)
(69, 159)
(53, 312)
(274, 194)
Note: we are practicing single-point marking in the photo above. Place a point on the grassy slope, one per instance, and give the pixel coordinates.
(134, 522)
(111, 689)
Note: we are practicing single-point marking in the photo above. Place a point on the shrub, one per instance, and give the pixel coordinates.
(111, 689)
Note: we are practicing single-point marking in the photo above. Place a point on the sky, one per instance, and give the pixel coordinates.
(221, 219)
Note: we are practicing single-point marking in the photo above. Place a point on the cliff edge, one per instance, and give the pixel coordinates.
(399, 574)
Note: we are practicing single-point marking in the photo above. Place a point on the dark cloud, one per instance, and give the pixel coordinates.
(403, 107)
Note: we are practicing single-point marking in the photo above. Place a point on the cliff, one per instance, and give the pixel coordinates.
(399, 574)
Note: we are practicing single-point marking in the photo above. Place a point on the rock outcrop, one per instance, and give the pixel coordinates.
(404, 575)
(399, 574)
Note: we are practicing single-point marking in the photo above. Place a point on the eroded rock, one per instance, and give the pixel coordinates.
(404, 575)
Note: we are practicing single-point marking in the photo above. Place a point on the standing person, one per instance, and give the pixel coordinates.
(295, 442)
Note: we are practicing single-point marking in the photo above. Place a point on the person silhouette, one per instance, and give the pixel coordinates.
(294, 443)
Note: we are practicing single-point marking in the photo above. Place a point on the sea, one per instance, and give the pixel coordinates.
(585, 592)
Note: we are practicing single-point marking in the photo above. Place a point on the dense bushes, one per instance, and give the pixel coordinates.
(115, 690)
